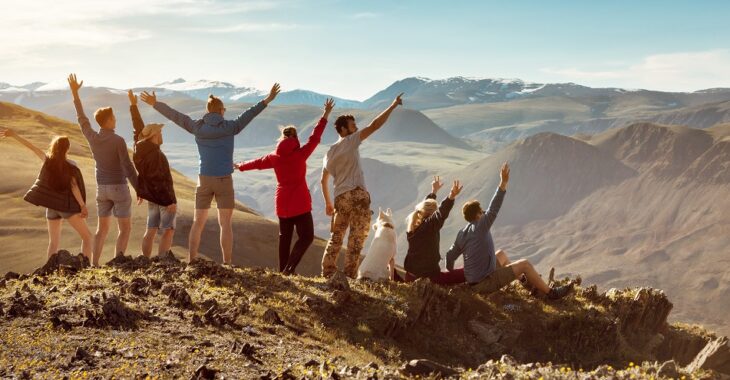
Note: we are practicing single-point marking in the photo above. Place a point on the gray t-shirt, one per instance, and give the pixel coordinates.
(342, 161)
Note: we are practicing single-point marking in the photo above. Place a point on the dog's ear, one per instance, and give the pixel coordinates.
(389, 212)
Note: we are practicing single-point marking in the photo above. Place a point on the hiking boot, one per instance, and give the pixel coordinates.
(558, 292)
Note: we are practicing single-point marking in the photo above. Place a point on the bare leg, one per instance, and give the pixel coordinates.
(201, 215)
(521, 267)
(102, 229)
(225, 222)
(148, 240)
(125, 229)
(165, 241)
(87, 239)
(502, 258)
(54, 235)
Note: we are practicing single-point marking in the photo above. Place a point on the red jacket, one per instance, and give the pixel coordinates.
(289, 162)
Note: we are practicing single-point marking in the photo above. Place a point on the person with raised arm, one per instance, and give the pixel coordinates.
(489, 271)
(214, 136)
(293, 202)
(154, 182)
(424, 237)
(351, 207)
(113, 169)
(60, 188)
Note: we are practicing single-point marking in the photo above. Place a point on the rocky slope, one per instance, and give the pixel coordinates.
(162, 318)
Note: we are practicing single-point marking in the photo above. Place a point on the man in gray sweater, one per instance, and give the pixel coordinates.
(113, 169)
(484, 268)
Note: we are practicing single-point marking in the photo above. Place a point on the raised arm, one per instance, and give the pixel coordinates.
(261, 163)
(179, 118)
(316, 136)
(86, 129)
(238, 124)
(137, 122)
(329, 207)
(381, 119)
(485, 223)
(7, 132)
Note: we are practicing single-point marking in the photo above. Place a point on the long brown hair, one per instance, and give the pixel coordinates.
(57, 164)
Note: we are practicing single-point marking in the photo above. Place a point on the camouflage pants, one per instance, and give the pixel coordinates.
(352, 209)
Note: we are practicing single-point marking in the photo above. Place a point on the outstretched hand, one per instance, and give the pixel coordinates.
(436, 184)
(455, 189)
(504, 176)
(398, 101)
(132, 98)
(275, 90)
(6, 132)
(149, 99)
(329, 104)
(74, 84)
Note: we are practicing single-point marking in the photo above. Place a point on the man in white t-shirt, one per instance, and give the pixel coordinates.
(351, 208)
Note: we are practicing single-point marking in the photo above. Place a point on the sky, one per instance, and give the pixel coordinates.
(352, 49)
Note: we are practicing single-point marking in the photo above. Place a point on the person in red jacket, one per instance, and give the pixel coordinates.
(293, 201)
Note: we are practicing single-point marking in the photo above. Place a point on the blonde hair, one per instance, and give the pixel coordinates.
(422, 211)
(288, 131)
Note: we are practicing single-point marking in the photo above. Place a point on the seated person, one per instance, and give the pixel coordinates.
(482, 267)
(424, 237)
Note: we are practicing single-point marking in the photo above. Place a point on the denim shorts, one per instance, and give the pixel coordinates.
(52, 214)
(158, 217)
(114, 199)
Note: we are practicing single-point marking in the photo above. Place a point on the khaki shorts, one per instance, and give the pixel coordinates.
(220, 188)
(500, 278)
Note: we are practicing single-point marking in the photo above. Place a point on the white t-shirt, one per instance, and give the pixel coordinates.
(342, 161)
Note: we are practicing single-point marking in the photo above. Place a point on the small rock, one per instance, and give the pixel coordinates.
(58, 323)
(338, 281)
(668, 369)
(372, 365)
(272, 317)
(508, 360)
(204, 373)
(424, 367)
(311, 363)
(11, 276)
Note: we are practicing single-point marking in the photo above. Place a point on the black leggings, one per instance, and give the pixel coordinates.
(288, 261)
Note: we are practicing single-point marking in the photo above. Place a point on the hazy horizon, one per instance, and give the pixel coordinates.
(353, 50)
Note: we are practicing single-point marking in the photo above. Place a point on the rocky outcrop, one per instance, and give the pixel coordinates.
(715, 356)
(63, 261)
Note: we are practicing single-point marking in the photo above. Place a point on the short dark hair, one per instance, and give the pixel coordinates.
(341, 122)
(214, 103)
(471, 210)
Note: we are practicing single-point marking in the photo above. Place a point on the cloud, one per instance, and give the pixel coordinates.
(680, 71)
(31, 27)
(245, 27)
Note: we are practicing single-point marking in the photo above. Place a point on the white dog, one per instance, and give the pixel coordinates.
(379, 263)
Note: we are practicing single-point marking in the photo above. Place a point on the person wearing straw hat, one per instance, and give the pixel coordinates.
(154, 182)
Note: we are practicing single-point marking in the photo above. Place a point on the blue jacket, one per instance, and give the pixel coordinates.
(476, 244)
(214, 136)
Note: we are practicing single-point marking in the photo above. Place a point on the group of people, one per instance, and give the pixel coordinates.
(60, 189)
